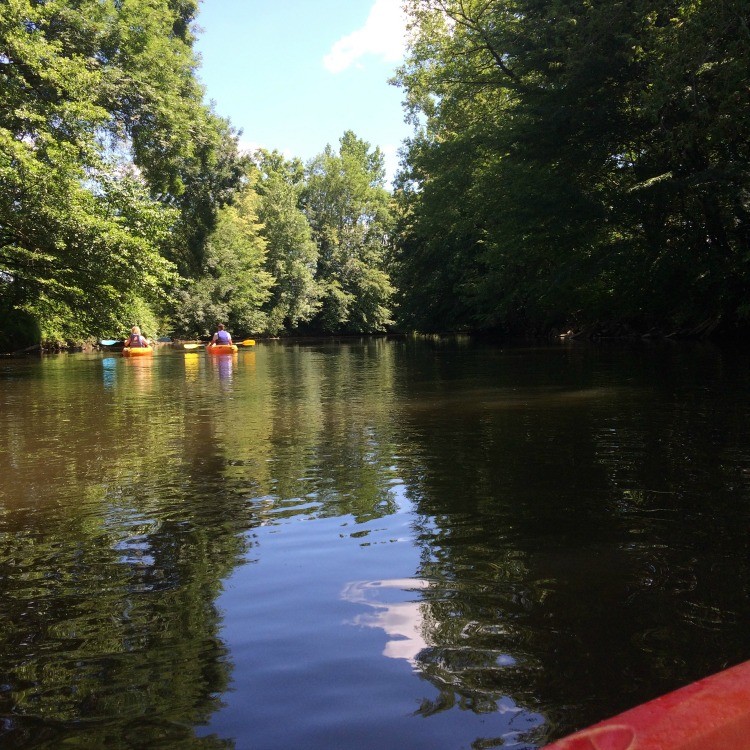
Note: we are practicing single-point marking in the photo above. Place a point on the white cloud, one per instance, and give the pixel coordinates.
(383, 35)
(404, 622)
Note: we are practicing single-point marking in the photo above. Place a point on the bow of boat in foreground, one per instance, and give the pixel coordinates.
(710, 714)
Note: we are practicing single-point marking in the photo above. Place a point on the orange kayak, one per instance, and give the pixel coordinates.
(221, 348)
(136, 351)
(710, 714)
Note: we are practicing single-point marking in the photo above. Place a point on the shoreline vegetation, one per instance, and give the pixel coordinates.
(591, 334)
(574, 173)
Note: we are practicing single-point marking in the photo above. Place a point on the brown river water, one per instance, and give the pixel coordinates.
(413, 543)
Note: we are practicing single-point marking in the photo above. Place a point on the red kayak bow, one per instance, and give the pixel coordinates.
(710, 714)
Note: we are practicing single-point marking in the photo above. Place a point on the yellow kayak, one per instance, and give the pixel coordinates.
(136, 351)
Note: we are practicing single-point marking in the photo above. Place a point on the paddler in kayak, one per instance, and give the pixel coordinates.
(221, 336)
(135, 339)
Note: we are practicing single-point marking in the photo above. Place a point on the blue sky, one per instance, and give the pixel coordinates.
(295, 74)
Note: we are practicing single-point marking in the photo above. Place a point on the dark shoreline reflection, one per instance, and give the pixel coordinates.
(594, 536)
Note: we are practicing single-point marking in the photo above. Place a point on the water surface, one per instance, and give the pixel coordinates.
(374, 544)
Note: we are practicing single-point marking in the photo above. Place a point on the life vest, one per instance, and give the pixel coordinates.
(223, 337)
(136, 340)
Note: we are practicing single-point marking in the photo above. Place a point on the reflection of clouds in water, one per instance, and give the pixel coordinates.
(109, 372)
(467, 676)
(402, 621)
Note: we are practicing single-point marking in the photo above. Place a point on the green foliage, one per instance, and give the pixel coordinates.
(187, 154)
(351, 217)
(300, 250)
(233, 286)
(291, 253)
(117, 178)
(20, 330)
(109, 161)
(75, 252)
(137, 312)
(574, 162)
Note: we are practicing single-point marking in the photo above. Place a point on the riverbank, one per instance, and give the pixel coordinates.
(710, 330)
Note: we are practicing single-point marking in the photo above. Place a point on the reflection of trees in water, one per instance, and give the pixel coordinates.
(464, 667)
(112, 553)
(110, 631)
(326, 424)
(585, 547)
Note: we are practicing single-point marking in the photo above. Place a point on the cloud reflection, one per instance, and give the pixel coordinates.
(402, 621)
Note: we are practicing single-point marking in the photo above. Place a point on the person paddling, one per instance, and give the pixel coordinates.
(135, 339)
(221, 336)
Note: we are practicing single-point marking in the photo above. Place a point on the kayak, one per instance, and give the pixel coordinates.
(136, 351)
(710, 714)
(221, 348)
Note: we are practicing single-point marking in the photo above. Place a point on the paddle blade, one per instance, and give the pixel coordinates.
(191, 346)
(110, 342)
(248, 342)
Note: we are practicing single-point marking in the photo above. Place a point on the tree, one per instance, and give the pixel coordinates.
(109, 160)
(570, 165)
(233, 286)
(291, 253)
(692, 175)
(350, 213)
(187, 154)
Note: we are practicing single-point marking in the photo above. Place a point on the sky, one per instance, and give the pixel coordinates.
(294, 75)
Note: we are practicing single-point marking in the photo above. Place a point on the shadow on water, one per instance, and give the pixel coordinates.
(587, 523)
(491, 547)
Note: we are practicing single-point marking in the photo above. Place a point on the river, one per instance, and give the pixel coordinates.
(410, 543)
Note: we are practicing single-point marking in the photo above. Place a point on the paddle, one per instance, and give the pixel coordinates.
(246, 342)
(110, 342)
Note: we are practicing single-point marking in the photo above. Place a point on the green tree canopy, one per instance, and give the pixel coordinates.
(291, 252)
(350, 212)
(575, 161)
(233, 286)
(109, 160)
